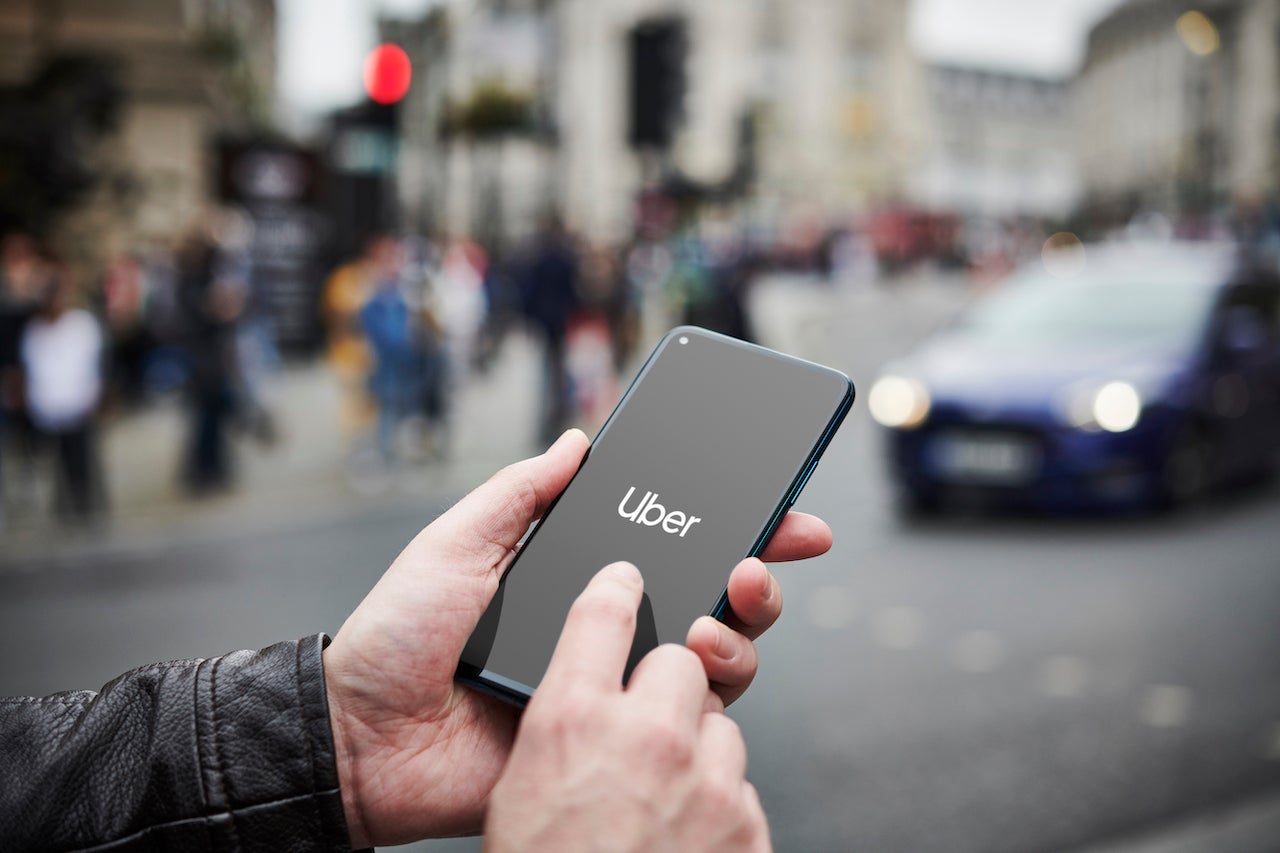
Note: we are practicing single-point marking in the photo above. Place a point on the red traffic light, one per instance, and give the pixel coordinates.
(387, 72)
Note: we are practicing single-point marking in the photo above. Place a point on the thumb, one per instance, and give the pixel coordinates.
(436, 590)
(477, 534)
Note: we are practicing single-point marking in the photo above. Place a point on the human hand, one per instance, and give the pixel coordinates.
(418, 753)
(646, 768)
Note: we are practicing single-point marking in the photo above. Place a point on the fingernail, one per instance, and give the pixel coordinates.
(720, 646)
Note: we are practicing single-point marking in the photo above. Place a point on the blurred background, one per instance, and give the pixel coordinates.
(280, 281)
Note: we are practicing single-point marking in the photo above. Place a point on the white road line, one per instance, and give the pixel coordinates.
(897, 628)
(1165, 706)
(1063, 676)
(978, 651)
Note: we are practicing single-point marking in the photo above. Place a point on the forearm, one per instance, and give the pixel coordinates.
(229, 753)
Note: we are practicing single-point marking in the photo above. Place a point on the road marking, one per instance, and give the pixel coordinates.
(978, 651)
(832, 607)
(1165, 706)
(897, 628)
(1063, 676)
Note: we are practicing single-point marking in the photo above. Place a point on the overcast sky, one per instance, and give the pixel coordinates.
(323, 42)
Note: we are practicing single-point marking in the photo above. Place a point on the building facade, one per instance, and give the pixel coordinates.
(1000, 145)
(829, 92)
(1177, 114)
(188, 70)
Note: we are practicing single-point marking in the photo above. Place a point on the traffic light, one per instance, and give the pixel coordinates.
(387, 74)
(658, 49)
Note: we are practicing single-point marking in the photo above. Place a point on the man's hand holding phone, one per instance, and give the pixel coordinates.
(595, 763)
(419, 754)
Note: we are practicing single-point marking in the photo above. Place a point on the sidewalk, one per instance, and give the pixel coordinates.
(313, 470)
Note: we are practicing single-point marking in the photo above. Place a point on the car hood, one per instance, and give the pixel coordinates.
(962, 370)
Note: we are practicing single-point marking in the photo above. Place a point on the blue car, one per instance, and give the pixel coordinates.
(1145, 378)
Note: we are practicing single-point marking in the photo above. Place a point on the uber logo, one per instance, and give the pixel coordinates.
(650, 513)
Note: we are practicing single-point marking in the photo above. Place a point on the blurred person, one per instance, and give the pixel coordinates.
(368, 739)
(255, 343)
(591, 336)
(167, 366)
(210, 306)
(460, 299)
(388, 326)
(550, 296)
(709, 279)
(346, 291)
(61, 354)
(502, 307)
(23, 276)
(124, 298)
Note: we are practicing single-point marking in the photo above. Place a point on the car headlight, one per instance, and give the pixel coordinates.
(1117, 407)
(1093, 406)
(898, 402)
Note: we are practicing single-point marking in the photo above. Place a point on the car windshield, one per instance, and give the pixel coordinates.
(1168, 312)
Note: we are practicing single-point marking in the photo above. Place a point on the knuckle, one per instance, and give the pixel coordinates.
(724, 797)
(565, 715)
(668, 743)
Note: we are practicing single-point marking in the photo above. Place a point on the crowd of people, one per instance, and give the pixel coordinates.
(410, 318)
(406, 322)
(78, 343)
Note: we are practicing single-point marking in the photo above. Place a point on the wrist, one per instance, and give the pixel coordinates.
(345, 760)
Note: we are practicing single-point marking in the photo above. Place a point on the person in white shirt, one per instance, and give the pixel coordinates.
(61, 353)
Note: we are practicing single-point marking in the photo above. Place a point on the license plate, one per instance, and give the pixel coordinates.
(992, 459)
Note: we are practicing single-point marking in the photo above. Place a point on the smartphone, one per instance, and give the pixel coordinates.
(694, 470)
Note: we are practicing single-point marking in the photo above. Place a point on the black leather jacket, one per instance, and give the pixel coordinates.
(231, 753)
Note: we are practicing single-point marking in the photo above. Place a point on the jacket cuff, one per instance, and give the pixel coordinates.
(266, 754)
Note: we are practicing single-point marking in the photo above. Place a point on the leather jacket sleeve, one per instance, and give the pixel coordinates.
(230, 753)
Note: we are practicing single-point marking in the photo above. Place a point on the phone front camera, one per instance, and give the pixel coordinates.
(684, 339)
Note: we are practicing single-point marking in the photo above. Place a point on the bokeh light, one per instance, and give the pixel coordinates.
(898, 402)
(1117, 407)
(1063, 255)
(387, 72)
(1197, 32)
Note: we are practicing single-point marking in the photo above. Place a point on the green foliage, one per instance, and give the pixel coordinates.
(492, 110)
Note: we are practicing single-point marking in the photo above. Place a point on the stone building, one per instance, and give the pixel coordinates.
(189, 70)
(1000, 145)
(1179, 111)
(833, 95)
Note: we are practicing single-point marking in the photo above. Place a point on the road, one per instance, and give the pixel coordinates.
(971, 684)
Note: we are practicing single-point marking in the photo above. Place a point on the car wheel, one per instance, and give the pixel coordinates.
(1188, 469)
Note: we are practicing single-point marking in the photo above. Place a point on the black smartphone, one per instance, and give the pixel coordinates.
(694, 470)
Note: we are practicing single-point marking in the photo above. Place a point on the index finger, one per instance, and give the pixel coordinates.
(799, 537)
(598, 631)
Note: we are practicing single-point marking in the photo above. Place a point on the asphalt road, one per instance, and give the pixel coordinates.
(972, 684)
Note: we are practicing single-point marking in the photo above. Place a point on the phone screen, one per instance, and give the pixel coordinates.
(694, 468)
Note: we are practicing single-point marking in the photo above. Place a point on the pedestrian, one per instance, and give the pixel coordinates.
(388, 326)
(350, 356)
(124, 298)
(368, 739)
(22, 277)
(550, 295)
(62, 349)
(209, 306)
